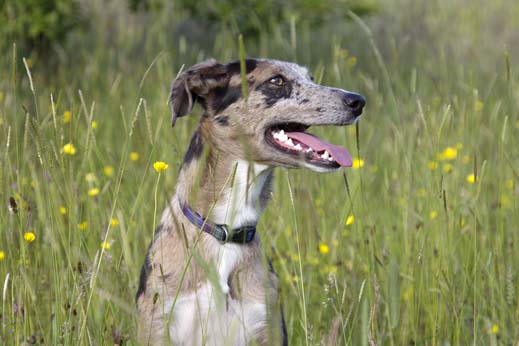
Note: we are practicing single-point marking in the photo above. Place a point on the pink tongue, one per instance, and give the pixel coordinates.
(340, 154)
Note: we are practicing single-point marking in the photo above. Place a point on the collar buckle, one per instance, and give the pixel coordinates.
(241, 235)
(221, 233)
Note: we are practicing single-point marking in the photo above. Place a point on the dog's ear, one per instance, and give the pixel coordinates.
(193, 84)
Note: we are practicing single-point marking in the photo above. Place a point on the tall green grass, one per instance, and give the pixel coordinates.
(431, 256)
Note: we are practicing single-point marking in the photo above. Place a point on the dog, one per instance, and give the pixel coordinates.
(205, 280)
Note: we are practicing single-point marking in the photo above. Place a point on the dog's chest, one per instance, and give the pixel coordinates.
(211, 316)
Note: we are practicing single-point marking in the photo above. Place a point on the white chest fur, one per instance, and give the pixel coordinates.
(239, 204)
(210, 317)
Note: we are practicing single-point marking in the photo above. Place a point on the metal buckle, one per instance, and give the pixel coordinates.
(225, 233)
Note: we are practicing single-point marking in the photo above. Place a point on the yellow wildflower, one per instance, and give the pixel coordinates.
(160, 166)
(313, 260)
(509, 184)
(29, 237)
(291, 278)
(357, 163)
(134, 156)
(478, 106)
(108, 171)
(449, 153)
(67, 117)
(94, 124)
(62, 210)
(323, 248)
(106, 245)
(408, 293)
(495, 329)
(447, 168)
(432, 165)
(421, 193)
(350, 220)
(83, 226)
(505, 201)
(433, 214)
(93, 192)
(351, 61)
(471, 178)
(69, 149)
(329, 269)
(114, 222)
(2, 255)
(90, 177)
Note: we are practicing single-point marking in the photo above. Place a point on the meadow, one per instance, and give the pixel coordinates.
(417, 244)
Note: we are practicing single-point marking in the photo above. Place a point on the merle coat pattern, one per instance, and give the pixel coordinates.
(193, 289)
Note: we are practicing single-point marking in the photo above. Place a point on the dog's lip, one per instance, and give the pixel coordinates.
(306, 146)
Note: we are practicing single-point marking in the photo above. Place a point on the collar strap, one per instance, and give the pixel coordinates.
(241, 235)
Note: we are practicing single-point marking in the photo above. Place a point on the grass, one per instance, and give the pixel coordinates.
(431, 256)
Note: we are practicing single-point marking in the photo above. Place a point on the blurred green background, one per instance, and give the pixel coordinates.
(415, 245)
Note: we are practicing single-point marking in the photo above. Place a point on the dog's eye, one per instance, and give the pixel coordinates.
(278, 81)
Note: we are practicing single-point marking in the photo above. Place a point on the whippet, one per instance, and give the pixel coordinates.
(205, 280)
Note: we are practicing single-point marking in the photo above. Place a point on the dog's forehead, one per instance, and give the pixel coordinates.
(283, 67)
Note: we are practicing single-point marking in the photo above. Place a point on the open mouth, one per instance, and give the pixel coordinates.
(292, 139)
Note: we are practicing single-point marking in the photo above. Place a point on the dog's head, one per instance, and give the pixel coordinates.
(270, 126)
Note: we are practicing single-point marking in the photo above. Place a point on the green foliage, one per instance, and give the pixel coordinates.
(252, 17)
(38, 23)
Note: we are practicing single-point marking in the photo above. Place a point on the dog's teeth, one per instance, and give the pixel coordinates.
(282, 132)
(308, 150)
(325, 156)
(289, 142)
(330, 158)
(283, 137)
(298, 147)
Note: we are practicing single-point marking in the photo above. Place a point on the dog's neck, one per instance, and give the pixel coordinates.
(224, 188)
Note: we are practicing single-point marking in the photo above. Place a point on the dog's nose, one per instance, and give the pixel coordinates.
(354, 102)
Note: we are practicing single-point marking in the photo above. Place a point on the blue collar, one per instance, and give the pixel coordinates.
(241, 235)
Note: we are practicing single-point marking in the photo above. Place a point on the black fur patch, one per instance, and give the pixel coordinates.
(222, 120)
(145, 273)
(224, 97)
(273, 93)
(146, 267)
(319, 109)
(234, 67)
(283, 328)
(194, 151)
